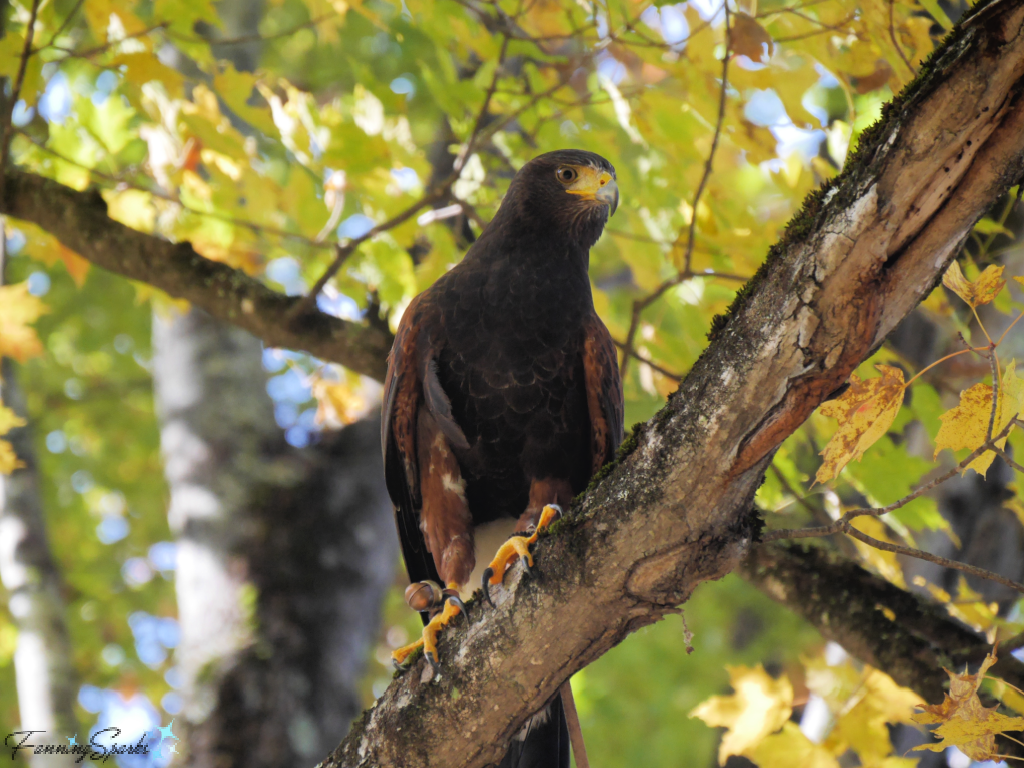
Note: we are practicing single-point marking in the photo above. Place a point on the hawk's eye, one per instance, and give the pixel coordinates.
(566, 175)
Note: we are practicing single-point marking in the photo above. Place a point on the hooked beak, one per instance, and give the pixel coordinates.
(609, 195)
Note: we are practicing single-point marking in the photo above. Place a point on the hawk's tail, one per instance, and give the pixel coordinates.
(543, 741)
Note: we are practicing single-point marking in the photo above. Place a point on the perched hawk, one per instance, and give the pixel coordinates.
(503, 398)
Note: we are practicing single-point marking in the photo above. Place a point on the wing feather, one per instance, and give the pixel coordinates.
(604, 392)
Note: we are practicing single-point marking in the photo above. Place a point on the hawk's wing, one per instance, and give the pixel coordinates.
(403, 395)
(604, 393)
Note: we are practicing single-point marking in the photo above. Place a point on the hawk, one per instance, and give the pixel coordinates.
(503, 398)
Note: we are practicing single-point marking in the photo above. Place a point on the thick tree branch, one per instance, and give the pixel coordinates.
(80, 221)
(675, 510)
(912, 639)
(849, 605)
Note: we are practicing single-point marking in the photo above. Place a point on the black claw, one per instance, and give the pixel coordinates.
(434, 663)
(488, 572)
(457, 601)
(398, 666)
(527, 566)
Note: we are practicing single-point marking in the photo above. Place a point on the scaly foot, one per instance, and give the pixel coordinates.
(517, 547)
(452, 606)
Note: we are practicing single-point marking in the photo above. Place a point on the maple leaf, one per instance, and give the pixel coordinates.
(981, 291)
(790, 747)
(966, 425)
(18, 310)
(759, 707)
(865, 412)
(964, 722)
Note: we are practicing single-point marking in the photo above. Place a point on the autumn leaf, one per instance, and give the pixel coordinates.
(9, 420)
(339, 402)
(981, 291)
(748, 38)
(966, 425)
(759, 707)
(789, 748)
(865, 412)
(964, 722)
(18, 310)
(8, 460)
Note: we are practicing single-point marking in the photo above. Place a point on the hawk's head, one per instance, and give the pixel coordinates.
(569, 192)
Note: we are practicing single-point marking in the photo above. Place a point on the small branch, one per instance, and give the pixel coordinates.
(896, 43)
(60, 30)
(8, 113)
(995, 395)
(641, 304)
(307, 302)
(943, 561)
(843, 524)
(241, 40)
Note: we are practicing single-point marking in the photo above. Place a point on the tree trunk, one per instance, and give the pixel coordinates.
(284, 555)
(43, 661)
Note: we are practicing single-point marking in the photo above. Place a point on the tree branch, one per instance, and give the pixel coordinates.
(80, 221)
(674, 510)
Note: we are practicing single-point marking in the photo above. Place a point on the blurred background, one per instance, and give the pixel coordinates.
(199, 538)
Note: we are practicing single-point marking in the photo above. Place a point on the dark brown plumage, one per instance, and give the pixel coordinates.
(503, 392)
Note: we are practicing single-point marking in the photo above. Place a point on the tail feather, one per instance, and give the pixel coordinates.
(543, 742)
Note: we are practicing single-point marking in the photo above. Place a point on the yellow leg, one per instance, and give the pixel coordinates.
(515, 548)
(430, 632)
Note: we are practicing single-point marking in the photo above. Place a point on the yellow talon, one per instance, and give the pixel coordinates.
(429, 639)
(516, 547)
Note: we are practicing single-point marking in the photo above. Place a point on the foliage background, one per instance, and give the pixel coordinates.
(349, 113)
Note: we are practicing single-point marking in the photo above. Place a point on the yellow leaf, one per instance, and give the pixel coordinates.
(790, 748)
(339, 402)
(886, 563)
(76, 266)
(8, 461)
(964, 722)
(981, 291)
(966, 425)
(9, 419)
(18, 310)
(759, 707)
(865, 412)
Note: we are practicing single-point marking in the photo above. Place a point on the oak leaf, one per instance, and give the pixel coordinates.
(963, 721)
(865, 412)
(760, 706)
(18, 310)
(981, 291)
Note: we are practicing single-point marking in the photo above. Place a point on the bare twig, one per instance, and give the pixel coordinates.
(895, 42)
(440, 192)
(981, 573)
(843, 524)
(241, 40)
(8, 113)
(60, 30)
(995, 394)
(686, 270)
